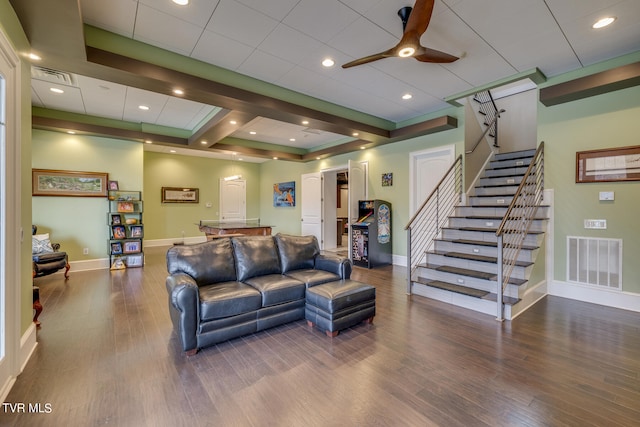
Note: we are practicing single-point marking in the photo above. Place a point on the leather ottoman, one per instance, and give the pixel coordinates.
(339, 305)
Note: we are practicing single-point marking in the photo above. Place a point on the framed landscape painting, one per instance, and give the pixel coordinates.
(46, 182)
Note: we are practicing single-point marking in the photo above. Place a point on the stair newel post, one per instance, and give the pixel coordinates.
(409, 262)
(500, 314)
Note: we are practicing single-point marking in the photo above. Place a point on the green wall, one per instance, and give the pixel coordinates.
(170, 220)
(81, 222)
(604, 121)
(386, 158)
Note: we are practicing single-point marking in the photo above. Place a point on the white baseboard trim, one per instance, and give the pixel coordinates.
(624, 300)
(177, 240)
(400, 260)
(86, 265)
(28, 344)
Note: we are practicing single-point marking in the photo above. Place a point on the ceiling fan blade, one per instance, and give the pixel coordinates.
(418, 21)
(370, 58)
(424, 54)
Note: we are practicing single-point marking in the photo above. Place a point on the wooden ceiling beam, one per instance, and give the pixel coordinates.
(596, 84)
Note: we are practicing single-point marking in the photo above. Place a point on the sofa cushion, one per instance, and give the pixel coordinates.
(208, 262)
(311, 277)
(227, 299)
(277, 288)
(255, 256)
(297, 252)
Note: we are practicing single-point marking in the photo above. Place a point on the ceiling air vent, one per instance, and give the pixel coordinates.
(52, 76)
(313, 131)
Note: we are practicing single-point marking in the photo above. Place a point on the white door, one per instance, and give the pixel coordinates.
(330, 209)
(357, 191)
(233, 200)
(311, 205)
(427, 169)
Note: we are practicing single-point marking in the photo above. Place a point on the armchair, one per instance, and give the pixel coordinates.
(47, 259)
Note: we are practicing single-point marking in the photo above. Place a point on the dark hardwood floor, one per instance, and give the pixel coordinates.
(107, 355)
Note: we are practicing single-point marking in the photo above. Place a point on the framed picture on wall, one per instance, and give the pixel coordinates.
(284, 194)
(607, 165)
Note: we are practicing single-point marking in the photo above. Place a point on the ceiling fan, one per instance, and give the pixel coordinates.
(415, 22)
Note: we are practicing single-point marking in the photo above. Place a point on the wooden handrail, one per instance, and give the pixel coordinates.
(495, 119)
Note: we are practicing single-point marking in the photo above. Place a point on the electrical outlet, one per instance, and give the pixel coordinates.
(85, 251)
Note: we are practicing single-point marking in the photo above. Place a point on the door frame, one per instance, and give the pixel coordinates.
(221, 198)
(11, 233)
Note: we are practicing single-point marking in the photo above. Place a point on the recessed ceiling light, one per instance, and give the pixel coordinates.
(318, 158)
(233, 122)
(181, 2)
(172, 151)
(178, 91)
(328, 62)
(601, 23)
(143, 107)
(407, 96)
(148, 141)
(203, 142)
(355, 134)
(253, 132)
(34, 57)
(70, 132)
(292, 139)
(56, 90)
(275, 158)
(363, 147)
(305, 122)
(240, 159)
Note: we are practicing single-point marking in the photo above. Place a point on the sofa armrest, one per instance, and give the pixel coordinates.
(334, 264)
(184, 308)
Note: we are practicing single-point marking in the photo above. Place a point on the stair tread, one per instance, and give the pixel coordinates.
(485, 229)
(481, 258)
(483, 243)
(471, 273)
(465, 290)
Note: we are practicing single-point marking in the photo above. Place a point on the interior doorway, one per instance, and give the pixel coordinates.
(342, 188)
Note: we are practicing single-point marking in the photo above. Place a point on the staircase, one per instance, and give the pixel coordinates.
(462, 264)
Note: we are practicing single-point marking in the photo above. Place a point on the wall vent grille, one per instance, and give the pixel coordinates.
(595, 261)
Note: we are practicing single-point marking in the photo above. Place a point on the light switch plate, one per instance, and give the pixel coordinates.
(606, 195)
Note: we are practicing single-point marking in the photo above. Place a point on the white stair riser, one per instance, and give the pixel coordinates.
(486, 236)
(538, 225)
(525, 255)
(490, 201)
(541, 213)
(505, 172)
(496, 191)
(476, 304)
(503, 180)
(485, 267)
(510, 163)
(469, 282)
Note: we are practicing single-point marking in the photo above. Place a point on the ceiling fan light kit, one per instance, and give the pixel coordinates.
(414, 22)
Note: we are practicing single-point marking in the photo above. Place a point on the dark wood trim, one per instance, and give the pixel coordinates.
(596, 84)
(233, 98)
(59, 125)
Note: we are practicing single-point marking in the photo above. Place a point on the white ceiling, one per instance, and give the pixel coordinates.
(283, 42)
